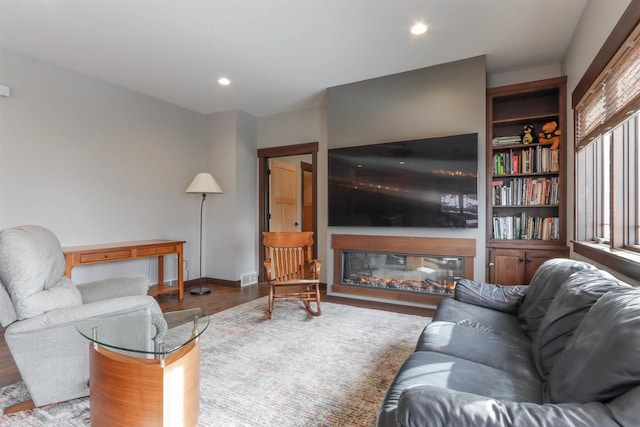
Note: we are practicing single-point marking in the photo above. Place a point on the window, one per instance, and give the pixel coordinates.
(607, 163)
(607, 190)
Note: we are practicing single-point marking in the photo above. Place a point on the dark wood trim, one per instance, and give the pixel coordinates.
(533, 86)
(308, 167)
(288, 150)
(405, 244)
(194, 283)
(263, 210)
(529, 244)
(609, 258)
(264, 154)
(619, 34)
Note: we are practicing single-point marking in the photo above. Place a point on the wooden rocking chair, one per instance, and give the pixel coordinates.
(291, 273)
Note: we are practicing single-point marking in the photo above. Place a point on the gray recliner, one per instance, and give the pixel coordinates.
(39, 307)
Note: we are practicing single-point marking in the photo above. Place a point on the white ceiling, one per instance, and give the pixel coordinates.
(279, 54)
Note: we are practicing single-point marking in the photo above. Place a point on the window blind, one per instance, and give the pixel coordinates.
(613, 95)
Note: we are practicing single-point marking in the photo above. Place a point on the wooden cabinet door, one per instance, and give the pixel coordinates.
(535, 258)
(507, 267)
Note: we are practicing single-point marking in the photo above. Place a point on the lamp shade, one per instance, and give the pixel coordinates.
(204, 183)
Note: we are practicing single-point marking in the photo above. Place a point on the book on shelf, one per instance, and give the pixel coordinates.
(525, 227)
(506, 140)
(538, 159)
(555, 160)
(538, 191)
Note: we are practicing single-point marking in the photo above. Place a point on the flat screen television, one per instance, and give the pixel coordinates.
(429, 182)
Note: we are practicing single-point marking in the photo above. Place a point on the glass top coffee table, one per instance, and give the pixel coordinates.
(154, 334)
(145, 369)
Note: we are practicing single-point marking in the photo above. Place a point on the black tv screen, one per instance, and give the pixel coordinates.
(428, 182)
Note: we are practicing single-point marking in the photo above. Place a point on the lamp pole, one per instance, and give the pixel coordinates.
(200, 290)
(203, 183)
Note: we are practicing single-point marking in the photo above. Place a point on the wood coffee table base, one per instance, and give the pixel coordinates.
(132, 391)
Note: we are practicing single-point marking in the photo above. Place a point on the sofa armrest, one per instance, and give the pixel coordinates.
(70, 315)
(434, 406)
(502, 298)
(113, 288)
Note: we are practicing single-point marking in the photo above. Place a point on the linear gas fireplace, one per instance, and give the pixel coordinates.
(409, 273)
(411, 269)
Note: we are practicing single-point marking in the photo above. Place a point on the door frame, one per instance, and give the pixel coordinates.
(264, 154)
(304, 168)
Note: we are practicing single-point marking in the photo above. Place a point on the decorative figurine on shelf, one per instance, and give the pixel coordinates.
(550, 135)
(527, 134)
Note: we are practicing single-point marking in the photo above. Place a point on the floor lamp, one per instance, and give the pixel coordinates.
(203, 183)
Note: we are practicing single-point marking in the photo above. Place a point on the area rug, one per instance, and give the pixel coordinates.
(290, 370)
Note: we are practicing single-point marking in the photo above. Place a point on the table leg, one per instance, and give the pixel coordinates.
(180, 273)
(160, 270)
(68, 265)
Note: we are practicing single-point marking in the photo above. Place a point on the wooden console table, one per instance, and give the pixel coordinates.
(96, 254)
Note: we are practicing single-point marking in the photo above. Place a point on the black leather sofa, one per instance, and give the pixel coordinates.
(562, 351)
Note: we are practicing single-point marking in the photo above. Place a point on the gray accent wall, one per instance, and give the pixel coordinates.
(443, 100)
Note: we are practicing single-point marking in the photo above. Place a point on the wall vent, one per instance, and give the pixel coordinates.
(249, 279)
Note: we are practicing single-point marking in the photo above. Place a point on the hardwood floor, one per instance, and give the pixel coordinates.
(220, 298)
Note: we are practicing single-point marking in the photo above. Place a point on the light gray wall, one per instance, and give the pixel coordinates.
(96, 163)
(294, 127)
(597, 21)
(447, 99)
(231, 248)
(220, 208)
(246, 226)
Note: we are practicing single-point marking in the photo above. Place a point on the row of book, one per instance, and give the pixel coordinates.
(526, 191)
(525, 227)
(538, 159)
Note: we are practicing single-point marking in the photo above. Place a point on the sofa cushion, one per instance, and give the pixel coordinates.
(31, 261)
(601, 360)
(570, 305)
(430, 368)
(498, 351)
(502, 298)
(481, 318)
(543, 287)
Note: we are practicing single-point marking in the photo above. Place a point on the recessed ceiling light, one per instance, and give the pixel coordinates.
(223, 81)
(418, 29)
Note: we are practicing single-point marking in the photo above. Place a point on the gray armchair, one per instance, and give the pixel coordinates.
(39, 306)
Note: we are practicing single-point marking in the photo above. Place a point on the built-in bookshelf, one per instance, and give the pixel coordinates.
(526, 185)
